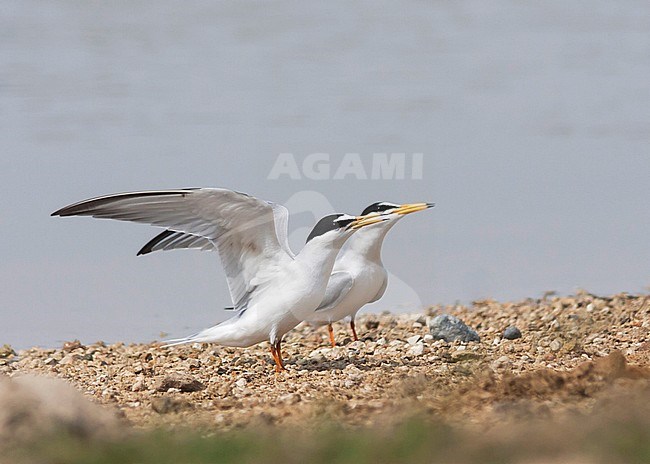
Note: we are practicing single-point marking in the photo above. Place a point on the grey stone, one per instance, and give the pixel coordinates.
(512, 333)
(451, 329)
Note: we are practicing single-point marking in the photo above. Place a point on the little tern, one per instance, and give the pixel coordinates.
(359, 276)
(272, 289)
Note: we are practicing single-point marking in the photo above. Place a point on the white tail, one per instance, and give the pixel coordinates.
(228, 333)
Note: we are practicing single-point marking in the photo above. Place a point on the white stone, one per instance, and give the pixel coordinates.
(414, 340)
(320, 353)
(241, 383)
(352, 369)
(417, 350)
(356, 345)
(138, 386)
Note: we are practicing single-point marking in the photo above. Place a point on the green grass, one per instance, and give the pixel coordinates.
(416, 441)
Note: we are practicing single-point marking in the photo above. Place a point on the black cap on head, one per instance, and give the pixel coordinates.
(379, 207)
(331, 222)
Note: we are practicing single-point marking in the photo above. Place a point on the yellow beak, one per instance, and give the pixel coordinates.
(367, 220)
(412, 208)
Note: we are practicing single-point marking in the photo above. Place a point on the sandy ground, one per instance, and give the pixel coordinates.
(574, 353)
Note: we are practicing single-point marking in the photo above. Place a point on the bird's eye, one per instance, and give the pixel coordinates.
(328, 223)
(344, 221)
(379, 207)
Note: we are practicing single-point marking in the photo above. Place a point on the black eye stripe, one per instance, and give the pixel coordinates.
(379, 207)
(327, 224)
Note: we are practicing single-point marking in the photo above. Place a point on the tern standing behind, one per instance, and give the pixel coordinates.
(359, 276)
(272, 289)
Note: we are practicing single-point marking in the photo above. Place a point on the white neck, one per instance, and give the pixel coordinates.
(368, 241)
(319, 254)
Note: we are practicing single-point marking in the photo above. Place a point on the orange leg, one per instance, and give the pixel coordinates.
(277, 357)
(278, 349)
(331, 332)
(354, 331)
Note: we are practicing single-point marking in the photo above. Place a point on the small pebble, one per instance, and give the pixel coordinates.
(138, 386)
(73, 345)
(512, 333)
(241, 383)
(291, 398)
(555, 345)
(6, 351)
(417, 349)
(184, 384)
(372, 324)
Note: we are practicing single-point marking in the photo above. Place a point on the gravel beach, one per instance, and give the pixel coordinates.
(573, 351)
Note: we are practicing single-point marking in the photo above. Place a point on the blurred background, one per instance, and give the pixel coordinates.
(532, 118)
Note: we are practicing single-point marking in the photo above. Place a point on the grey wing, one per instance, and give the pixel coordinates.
(381, 292)
(281, 219)
(338, 287)
(173, 240)
(243, 228)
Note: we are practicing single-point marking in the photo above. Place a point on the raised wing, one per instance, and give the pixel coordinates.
(172, 240)
(243, 228)
(339, 285)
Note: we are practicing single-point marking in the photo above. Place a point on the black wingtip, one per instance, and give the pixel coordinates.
(58, 212)
(145, 250)
(71, 210)
(148, 247)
